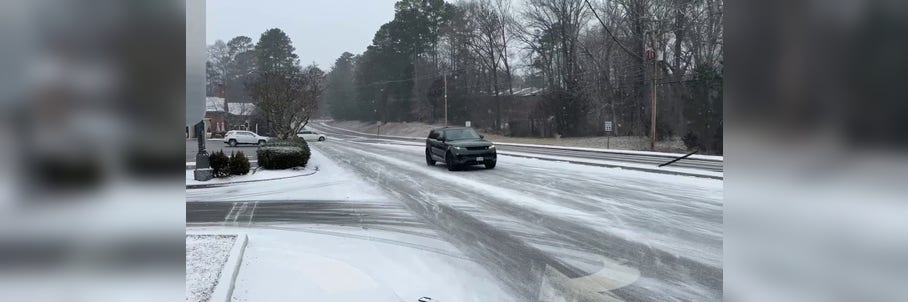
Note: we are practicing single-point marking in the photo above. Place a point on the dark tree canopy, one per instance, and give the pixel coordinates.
(274, 52)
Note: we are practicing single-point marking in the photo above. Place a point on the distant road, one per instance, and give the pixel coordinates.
(652, 161)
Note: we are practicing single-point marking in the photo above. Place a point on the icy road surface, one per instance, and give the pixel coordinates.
(532, 224)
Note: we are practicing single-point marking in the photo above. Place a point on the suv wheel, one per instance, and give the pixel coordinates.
(449, 161)
(232, 143)
(429, 160)
(321, 139)
(490, 165)
(261, 142)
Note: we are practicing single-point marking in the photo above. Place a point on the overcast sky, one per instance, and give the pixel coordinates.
(320, 29)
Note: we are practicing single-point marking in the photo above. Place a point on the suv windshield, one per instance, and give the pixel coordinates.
(458, 134)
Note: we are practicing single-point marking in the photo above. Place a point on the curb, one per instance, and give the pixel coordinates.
(223, 292)
(224, 184)
(657, 171)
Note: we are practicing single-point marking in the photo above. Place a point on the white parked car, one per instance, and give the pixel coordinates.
(236, 137)
(310, 135)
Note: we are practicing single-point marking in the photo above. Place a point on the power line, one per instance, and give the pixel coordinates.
(610, 32)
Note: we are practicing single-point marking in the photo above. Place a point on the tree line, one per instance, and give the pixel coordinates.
(269, 75)
(590, 61)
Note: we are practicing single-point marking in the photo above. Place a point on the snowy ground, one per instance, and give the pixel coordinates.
(205, 258)
(332, 183)
(517, 222)
(254, 175)
(417, 129)
(332, 263)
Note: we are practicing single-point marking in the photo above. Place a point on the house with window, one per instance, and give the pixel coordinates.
(221, 116)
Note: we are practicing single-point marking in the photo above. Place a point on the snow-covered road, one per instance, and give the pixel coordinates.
(668, 227)
(645, 236)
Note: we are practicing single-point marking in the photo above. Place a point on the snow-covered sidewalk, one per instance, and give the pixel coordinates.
(332, 263)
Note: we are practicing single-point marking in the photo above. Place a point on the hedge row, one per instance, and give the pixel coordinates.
(283, 154)
(223, 166)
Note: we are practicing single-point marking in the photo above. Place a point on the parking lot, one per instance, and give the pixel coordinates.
(213, 145)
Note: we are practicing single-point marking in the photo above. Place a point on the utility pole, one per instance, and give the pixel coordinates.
(655, 58)
(652, 144)
(445, 79)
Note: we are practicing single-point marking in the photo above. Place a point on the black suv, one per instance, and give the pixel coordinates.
(459, 146)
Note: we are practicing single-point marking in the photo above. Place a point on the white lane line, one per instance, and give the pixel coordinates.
(229, 213)
(235, 212)
(242, 209)
(252, 213)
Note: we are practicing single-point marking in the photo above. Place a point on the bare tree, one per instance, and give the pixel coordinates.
(287, 100)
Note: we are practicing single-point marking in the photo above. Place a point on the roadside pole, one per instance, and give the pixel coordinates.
(652, 144)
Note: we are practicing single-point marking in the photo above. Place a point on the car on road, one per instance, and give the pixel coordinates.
(237, 137)
(458, 147)
(309, 135)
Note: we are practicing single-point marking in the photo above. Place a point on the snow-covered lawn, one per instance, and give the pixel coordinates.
(205, 258)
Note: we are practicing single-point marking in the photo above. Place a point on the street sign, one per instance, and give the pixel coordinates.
(608, 126)
(467, 124)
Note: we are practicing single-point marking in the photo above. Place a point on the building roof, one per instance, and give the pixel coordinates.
(216, 104)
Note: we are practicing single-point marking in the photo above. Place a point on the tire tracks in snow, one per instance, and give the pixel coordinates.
(505, 253)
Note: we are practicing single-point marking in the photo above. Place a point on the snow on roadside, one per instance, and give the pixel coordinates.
(331, 182)
(205, 258)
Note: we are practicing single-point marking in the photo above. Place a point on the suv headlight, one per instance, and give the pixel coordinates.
(492, 147)
(457, 148)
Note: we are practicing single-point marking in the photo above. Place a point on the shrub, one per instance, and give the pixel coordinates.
(284, 154)
(239, 163)
(218, 162)
(291, 142)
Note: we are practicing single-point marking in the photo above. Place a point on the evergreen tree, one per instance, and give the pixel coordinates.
(274, 53)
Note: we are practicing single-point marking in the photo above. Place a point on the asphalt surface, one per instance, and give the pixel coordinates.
(524, 220)
(213, 145)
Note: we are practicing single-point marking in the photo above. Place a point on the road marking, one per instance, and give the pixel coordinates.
(235, 212)
(227, 218)
(595, 287)
(252, 213)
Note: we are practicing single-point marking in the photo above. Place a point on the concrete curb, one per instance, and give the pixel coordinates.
(651, 170)
(224, 184)
(223, 291)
